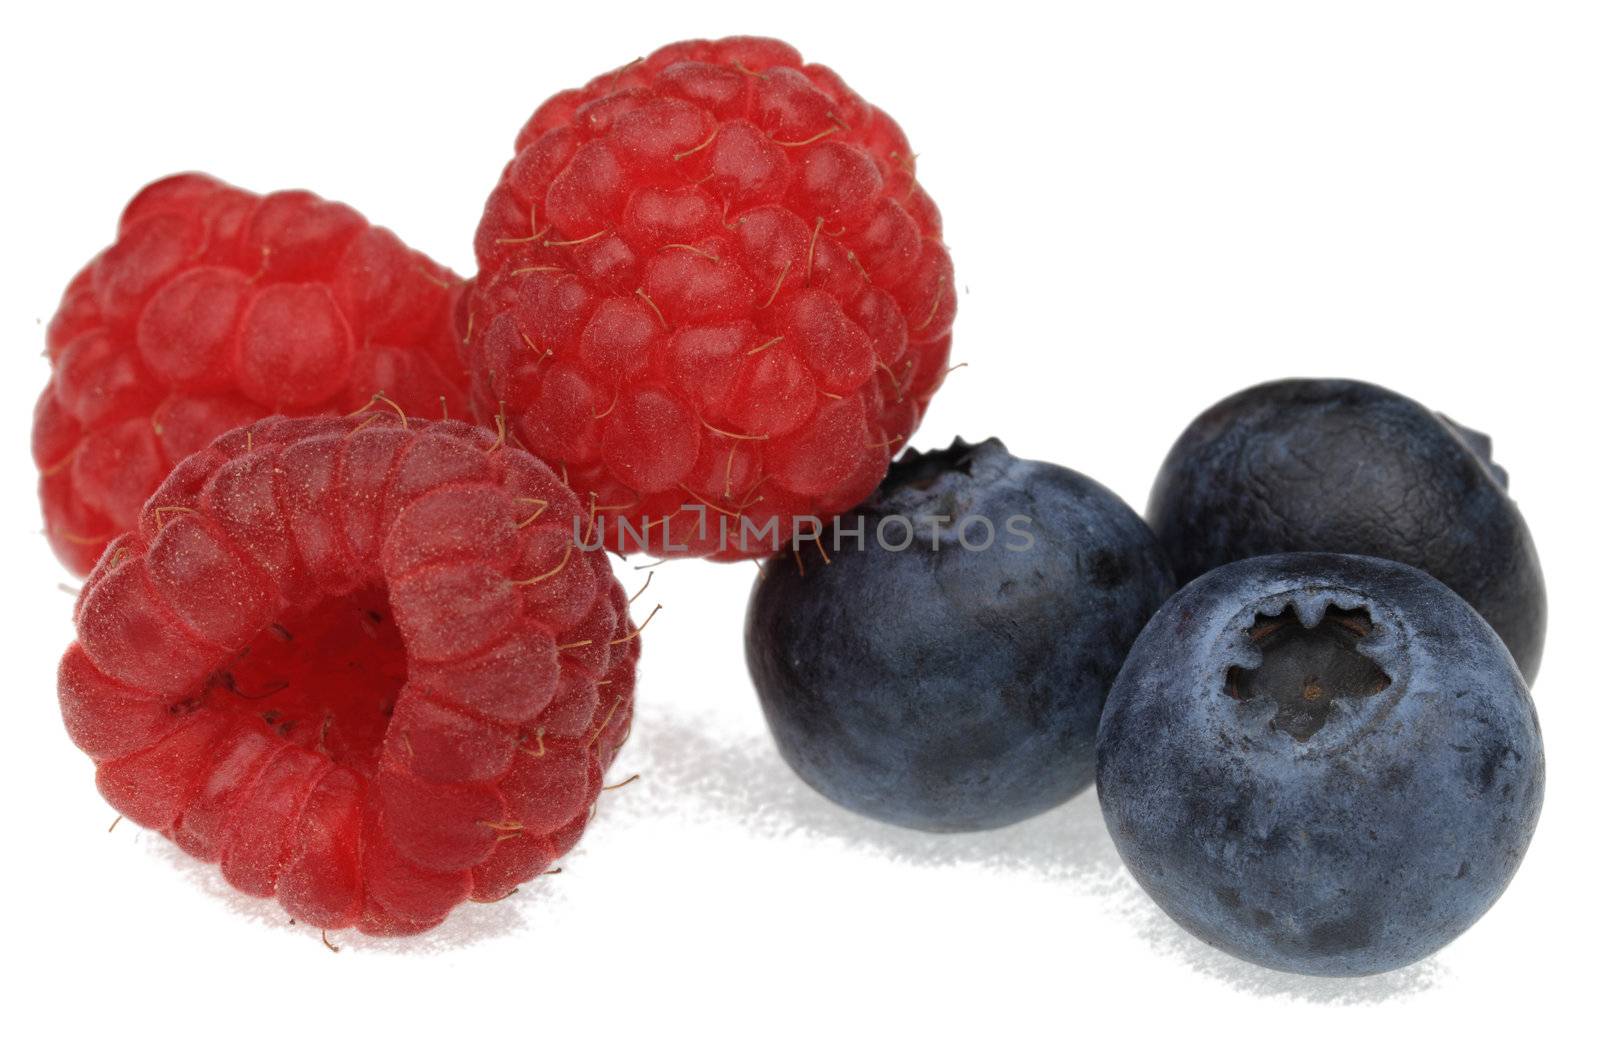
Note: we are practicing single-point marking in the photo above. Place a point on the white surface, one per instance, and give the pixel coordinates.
(1149, 207)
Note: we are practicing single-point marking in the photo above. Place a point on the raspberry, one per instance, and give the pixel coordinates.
(359, 663)
(214, 308)
(710, 279)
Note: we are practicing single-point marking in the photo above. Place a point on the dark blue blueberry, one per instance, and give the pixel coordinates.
(1347, 467)
(950, 685)
(1321, 763)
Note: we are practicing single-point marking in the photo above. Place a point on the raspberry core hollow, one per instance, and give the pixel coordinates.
(360, 663)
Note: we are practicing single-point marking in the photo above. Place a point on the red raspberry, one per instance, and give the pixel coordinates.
(711, 278)
(216, 307)
(360, 663)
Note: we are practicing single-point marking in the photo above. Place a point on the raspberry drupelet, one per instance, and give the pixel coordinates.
(363, 663)
(216, 307)
(713, 291)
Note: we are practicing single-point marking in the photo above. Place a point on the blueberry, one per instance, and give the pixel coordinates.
(1328, 465)
(1321, 763)
(945, 670)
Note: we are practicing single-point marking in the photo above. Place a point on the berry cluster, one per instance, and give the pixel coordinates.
(1312, 756)
(375, 666)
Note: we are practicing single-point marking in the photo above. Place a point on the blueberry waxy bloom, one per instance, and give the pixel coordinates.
(1351, 468)
(946, 667)
(1321, 763)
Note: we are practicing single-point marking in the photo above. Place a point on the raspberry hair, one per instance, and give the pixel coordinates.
(358, 662)
(216, 307)
(712, 289)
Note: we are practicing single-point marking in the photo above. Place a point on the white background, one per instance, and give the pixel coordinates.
(1149, 206)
